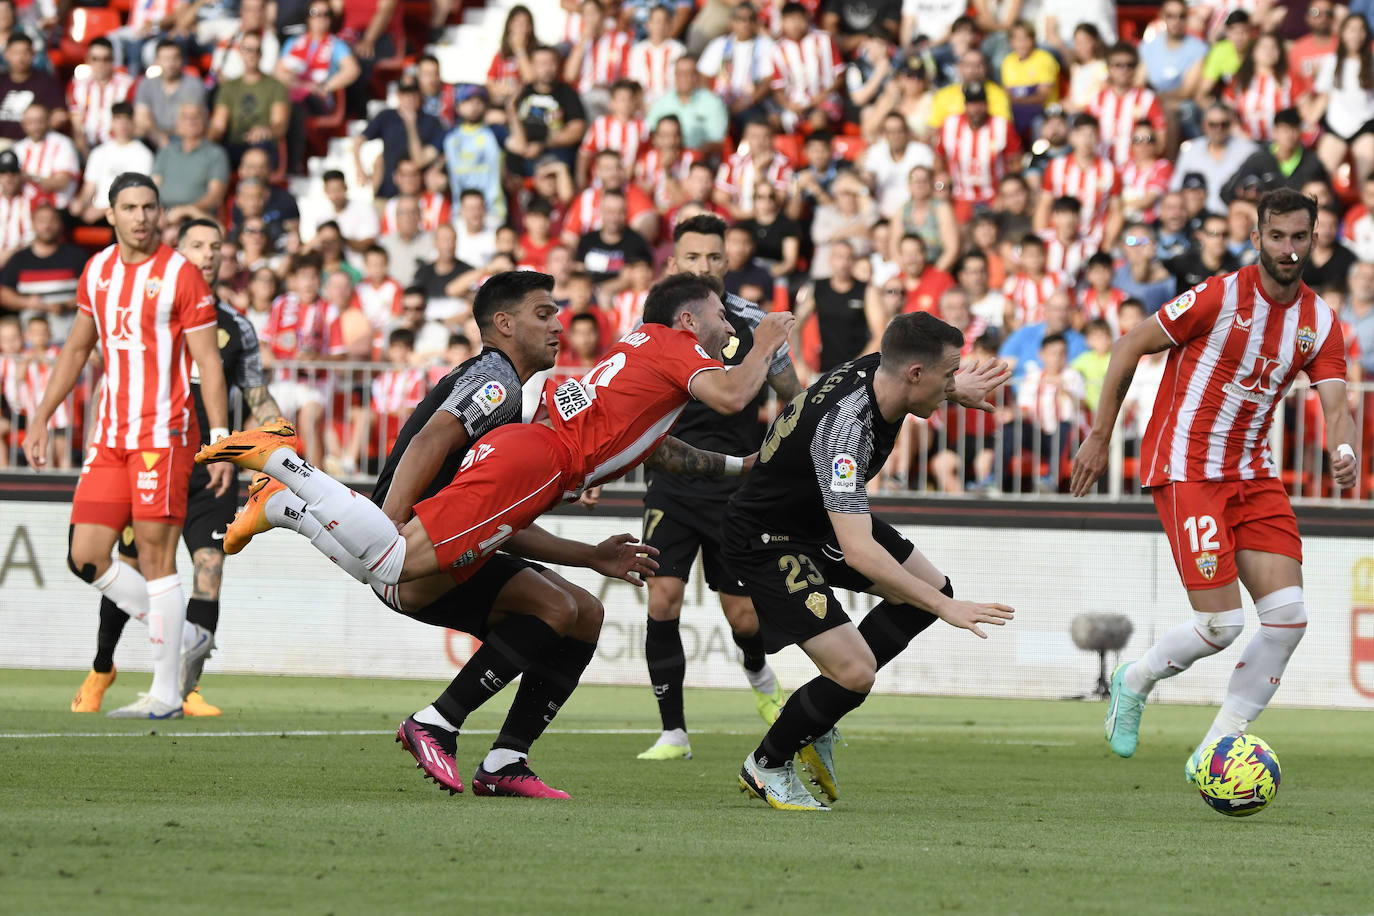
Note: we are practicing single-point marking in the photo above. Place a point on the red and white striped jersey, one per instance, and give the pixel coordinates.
(90, 102)
(1154, 176)
(625, 137)
(739, 176)
(1095, 186)
(808, 68)
(1106, 306)
(652, 173)
(652, 67)
(29, 387)
(296, 331)
(629, 309)
(1235, 356)
(1117, 114)
(572, 28)
(52, 156)
(1048, 402)
(738, 68)
(503, 69)
(604, 61)
(976, 157)
(584, 213)
(618, 413)
(148, 13)
(1066, 260)
(1028, 296)
(16, 220)
(142, 314)
(435, 209)
(380, 303)
(1256, 106)
(397, 391)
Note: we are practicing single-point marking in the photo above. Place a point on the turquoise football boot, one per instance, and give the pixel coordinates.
(1123, 714)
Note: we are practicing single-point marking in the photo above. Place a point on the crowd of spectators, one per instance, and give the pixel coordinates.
(1041, 174)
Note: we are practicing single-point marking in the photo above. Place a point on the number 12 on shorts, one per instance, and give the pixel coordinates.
(1202, 533)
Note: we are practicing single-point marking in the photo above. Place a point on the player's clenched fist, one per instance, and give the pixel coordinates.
(773, 330)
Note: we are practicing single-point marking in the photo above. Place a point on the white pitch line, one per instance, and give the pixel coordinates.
(325, 734)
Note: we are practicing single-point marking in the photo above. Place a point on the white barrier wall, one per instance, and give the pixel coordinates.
(287, 610)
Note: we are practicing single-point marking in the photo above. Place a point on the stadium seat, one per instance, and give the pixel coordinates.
(849, 148)
(790, 145)
(84, 24)
(319, 128)
(93, 237)
(388, 70)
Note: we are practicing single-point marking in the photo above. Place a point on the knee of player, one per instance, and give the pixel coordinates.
(1283, 615)
(559, 610)
(1220, 629)
(590, 614)
(85, 564)
(858, 672)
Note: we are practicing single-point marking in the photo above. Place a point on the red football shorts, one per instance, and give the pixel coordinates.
(508, 479)
(119, 484)
(1208, 521)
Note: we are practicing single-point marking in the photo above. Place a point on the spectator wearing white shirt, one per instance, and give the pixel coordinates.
(740, 64)
(357, 218)
(121, 153)
(888, 164)
(16, 208)
(476, 240)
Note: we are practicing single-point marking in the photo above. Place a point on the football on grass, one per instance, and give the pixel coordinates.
(1238, 775)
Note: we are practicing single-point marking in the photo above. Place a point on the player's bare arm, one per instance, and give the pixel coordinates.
(70, 361)
(1091, 460)
(203, 345)
(865, 556)
(262, 407)
(620, 556)
(677, 457)
(1341, 435)
(442, 436)
(975, 383)
(785, 384)
(732, 391)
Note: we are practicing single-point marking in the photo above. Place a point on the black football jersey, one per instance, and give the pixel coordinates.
(241, 356)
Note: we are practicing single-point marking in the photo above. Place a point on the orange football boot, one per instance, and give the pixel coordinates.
(251, 448)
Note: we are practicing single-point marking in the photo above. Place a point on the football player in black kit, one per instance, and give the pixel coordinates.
(800, 525)
(208, 511)
(683, 513)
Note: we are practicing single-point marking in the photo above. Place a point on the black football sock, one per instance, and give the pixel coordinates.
(203, 613)
(809, 713)
(508, 650)
(112, 621)
(667, 668)
(890, 628)
(544, 688)
(752, 647)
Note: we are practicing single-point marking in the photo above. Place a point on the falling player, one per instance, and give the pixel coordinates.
(1236, 344)
(599, 428)
(152, 313)
(801, 525)
(209, 508)
(683, 514)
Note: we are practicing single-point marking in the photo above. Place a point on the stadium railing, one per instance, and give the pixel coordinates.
(361, 406)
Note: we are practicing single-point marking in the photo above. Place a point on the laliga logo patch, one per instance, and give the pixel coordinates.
(704, 354)
(490, 397)
(153, 286)
(816, 604)
(1307, 339)
(843, 474)
(1180, 305)
(1207, 565)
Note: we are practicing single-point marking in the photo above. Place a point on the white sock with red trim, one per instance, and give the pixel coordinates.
(360, 527)
(166, 619)
(126, 587)
(285, 509)
(1283, 621)
(1177, 649)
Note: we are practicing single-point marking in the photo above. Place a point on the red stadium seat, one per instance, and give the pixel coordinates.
(319, 128)
(790, 145)
(84, 24)
(849, 148)
(92, 236)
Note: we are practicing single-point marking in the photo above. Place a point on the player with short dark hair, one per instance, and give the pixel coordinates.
(801, 525)
(1236, 345)
(209, 508)
(683, 514)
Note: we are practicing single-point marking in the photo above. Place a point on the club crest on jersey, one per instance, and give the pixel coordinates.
(1207, 564)
(816, 603)
(152, 287)
(1180, 305)
(490, 397)
(844, 471)
(1307, 339)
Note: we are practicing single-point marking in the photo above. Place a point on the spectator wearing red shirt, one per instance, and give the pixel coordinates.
(598, 58)
(1099, 299)
(302, 326)
(620, 130)
(1121, 104)
(1066, 250)
(584, 214)
(582, 301)
(977, 149)
(371, 28)
(538, 238)
(663, 168)
(923, 282)
(1306, 55)
(582, 345)
(753, 163)
(511, 65)
(1088, 176)
(1031, 285)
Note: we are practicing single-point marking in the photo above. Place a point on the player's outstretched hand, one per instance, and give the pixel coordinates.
(221, 477)
(974, 383)
(1088, 465)
(1344, 469)
(968, 614)
(36, 445)
(621, 556)
(773, 330)
(589, 498)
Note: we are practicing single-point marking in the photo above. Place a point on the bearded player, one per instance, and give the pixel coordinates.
(1236, 345)
(598, 428)
(152, 313)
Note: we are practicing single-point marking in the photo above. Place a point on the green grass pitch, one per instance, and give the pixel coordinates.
(975, 806)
